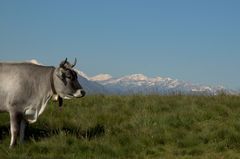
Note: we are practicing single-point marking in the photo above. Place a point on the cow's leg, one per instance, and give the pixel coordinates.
(23, 125)
(14, 126)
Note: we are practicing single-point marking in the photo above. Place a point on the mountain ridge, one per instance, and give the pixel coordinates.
(141, 84)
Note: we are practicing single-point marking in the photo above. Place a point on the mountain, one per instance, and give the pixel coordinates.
(141, 84)
(90, 86)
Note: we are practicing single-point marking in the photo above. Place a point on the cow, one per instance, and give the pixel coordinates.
(25, 89)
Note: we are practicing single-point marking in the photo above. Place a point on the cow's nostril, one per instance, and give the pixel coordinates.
(83, 93)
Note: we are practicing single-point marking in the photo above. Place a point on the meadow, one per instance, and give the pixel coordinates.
(128, 127)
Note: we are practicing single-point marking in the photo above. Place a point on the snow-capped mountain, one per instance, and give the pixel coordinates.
(101, 77)
(90, 86)
(141, 84)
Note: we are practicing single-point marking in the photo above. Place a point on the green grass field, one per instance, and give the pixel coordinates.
(132, 127)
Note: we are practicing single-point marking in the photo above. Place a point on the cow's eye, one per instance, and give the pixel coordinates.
(68, 76)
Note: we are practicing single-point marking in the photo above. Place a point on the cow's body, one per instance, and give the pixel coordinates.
(25, 89)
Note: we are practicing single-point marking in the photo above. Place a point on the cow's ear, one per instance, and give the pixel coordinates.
(60, 73)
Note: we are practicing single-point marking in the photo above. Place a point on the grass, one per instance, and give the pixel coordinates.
(125, 127)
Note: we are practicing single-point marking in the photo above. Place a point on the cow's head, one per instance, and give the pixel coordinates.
(66, 81)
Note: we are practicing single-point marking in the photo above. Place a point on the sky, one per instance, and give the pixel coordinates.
(191, 40)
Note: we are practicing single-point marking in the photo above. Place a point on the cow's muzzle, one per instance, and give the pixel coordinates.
(79, 93)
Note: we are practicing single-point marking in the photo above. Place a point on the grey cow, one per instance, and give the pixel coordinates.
(25, 89)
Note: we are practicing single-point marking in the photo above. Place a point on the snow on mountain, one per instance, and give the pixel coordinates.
(135, 77)
(101, 77)
(82, 74)
(34, 61)
(141, 84)
(91, 87)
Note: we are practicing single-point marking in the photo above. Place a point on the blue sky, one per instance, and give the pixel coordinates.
(191, 40)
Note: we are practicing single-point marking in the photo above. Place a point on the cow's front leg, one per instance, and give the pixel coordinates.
(23, 125)
(15, 119)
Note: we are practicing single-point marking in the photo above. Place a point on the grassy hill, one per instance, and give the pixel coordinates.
(132, 127)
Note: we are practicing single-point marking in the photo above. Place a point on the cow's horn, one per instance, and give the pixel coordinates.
(75, 62)
(65, 60)
(62, 64)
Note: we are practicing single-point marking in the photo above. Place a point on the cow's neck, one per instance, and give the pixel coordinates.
(52, 81)
(58, 98)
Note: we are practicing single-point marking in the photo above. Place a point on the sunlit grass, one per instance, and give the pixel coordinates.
(132, 127)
